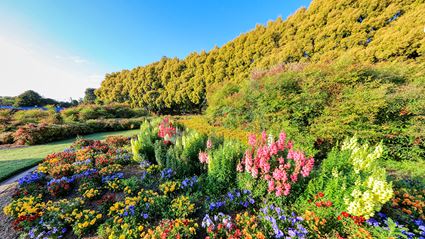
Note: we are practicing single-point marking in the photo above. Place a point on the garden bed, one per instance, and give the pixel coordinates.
(173, 182)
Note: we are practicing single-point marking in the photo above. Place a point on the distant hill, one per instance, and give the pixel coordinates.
(369, 31)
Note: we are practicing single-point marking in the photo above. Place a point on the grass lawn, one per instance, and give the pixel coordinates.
(18, 159)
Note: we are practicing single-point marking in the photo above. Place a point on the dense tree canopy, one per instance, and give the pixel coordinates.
(29, 98)
(369, 30)
(89, 96)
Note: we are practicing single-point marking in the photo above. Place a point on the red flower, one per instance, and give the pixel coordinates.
(320, 194)
(339, 218)
(345, 214)
(328, 203)
(319, 204)
(220, 226)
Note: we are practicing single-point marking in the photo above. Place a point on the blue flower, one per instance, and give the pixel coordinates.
(31, 178)
(112, 177)
(372, 222)
(167, 173)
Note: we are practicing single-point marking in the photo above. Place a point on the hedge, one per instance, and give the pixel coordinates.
(33, 134)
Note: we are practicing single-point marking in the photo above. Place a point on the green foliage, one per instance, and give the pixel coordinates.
(29, 98)
(89, 96)
(183, 156)
(223, 160)
(30, 116)
(393, 230)
(352, 180)
(143, 147)
(45, 133)
(257, 187)
(323, 104)
(86, 112)
(365, 30)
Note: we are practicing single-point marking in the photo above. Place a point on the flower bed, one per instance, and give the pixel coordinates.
(199, 186)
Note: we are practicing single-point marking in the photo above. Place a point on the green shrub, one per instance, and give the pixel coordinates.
(70, 114)
(183, 156)
(160, 153)
(257, 187)
(143, 146)
(30, 116)
(32, 134)
(86, 112)
(94, 112)
(352, 180)
(223, 160)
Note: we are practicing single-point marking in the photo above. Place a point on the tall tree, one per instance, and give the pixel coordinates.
(89, 96)
(29, 98)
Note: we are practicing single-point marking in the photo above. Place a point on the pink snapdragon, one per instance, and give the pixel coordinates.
(252, 140)
(209, 144)
(166, 130)
(276, 162)
(203, 157)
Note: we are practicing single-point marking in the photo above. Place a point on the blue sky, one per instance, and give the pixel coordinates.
(59, 42)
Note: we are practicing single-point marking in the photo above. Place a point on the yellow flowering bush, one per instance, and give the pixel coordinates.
(169, 187)
(42, 168)
(113, 185)
(110, 169)
(91, 193)
(84, 220)
(181, 207)
(153, 168)
(371, 189)
(25, 206)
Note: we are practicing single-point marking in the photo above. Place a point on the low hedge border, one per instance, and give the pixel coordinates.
(33, 134)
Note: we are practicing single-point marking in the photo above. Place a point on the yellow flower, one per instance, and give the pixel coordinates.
(85, 224)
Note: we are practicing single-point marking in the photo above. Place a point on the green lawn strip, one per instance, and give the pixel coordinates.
(13, 161)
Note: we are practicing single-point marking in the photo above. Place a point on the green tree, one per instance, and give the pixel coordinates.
(29, 98)
(89, 96)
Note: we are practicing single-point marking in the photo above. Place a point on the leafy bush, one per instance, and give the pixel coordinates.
(276, 162)
(222, 162)
(30, 116)
(143, 146)
(87, 112)
(323, 104)
(38, 134)
(352, 179)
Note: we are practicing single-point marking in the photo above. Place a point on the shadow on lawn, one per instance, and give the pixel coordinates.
(9, 168)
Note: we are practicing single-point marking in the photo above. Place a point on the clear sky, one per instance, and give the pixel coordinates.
(59, 48)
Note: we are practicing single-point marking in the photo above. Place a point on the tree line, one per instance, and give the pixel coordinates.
(369, 31)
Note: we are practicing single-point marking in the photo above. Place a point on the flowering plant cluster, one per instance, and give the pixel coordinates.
(95, 189)
(276, 162)
(60, 186)
(371, 189)
(178, 228)
(409, 203)
(34, 177)
(169, 187)
(281, 224)
(85, 220)
(182, 207)
(189, 184)
(234, 200)
(166, 130)
(223, 226)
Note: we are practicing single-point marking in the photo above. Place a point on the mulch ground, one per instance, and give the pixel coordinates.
(6, 229)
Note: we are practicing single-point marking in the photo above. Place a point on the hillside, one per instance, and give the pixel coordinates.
(369, 31)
